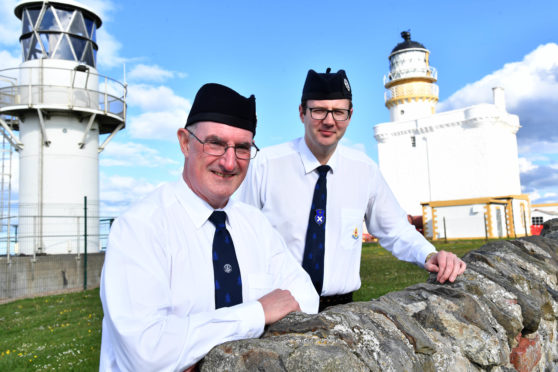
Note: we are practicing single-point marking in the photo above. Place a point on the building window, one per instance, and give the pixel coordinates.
(413, 141)
(537, 220)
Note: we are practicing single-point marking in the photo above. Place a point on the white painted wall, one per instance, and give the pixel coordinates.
(54, 179)
(459, 154)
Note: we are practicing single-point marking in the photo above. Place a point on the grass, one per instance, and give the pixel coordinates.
(382, 273)
(55, 333)
(63, 332)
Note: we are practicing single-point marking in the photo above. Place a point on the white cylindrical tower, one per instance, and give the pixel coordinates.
(63, 105)
(411, 92)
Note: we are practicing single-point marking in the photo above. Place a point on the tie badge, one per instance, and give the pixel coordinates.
(355, 233)
(227, 268)
(319, 217)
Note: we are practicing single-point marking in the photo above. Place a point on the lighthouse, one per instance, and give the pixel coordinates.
(59, 105)
(411, 91)
(459, 169)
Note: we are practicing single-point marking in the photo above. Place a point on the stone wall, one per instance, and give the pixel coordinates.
(500, 315)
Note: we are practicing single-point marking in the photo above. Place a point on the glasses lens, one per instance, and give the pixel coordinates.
(340, 114)
(318, 113)
(253, 152)
(214, 148)
(242, 152)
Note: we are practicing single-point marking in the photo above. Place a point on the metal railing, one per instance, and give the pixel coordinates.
(73, 243)
(429, 72)
(75, 89)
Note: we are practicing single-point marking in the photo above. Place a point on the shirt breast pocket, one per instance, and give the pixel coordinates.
(350, 236)
(257, 285)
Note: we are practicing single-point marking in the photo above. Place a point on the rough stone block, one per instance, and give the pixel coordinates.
(500, 315)
(527, 354)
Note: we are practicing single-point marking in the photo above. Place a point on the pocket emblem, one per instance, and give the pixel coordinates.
(355, 233)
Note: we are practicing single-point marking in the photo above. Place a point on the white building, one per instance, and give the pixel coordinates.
(465, 159)
(540, 213)
(60, 105)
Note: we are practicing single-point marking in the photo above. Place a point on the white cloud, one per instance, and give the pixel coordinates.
(153, 73)
(109, 50)
(157, 125)
(155, 98)
(10, 27)
(526, 165)
(540, 147)
(531, 90)
(132, 154)
(117, 193)
(163, 112)
(7, 60)
(534, 195)
(541, 180)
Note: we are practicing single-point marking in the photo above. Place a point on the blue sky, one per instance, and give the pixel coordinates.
(171, 48)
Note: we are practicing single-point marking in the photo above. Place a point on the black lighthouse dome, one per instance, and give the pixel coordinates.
(407, 43)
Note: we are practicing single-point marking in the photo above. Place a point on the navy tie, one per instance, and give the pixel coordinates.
(313, 260)
(228, 282)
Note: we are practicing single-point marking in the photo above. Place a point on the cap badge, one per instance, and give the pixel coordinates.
(347, 84)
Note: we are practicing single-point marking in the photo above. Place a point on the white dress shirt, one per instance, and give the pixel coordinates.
(281, 181)
(157, 284)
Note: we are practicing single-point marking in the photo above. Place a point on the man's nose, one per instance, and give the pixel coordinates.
(228, 160)
(329, 118)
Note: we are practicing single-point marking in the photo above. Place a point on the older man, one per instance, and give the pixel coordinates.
(186, 268)
(317, 193)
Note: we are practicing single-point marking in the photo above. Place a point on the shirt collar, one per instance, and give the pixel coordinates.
(309, 160)
(198, 209)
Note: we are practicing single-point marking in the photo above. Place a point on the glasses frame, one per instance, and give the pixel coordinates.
(311, 109)
(226, 148)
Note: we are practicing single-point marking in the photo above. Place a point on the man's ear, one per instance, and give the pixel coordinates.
(301, 113)
(183, 140)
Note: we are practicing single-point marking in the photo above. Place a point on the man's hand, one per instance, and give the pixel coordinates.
(447, 265)
(277, 304)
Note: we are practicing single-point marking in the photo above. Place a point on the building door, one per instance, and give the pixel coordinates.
(499, 222)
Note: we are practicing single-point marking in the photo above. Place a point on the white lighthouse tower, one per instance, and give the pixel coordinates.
(457, 168)
(411, 91)
(60, 105)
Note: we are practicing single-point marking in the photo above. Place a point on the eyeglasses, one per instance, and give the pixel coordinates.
(218, 148)
(319, 113)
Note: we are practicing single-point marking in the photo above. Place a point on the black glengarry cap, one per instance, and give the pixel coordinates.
(326, 86)
(221, 104)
